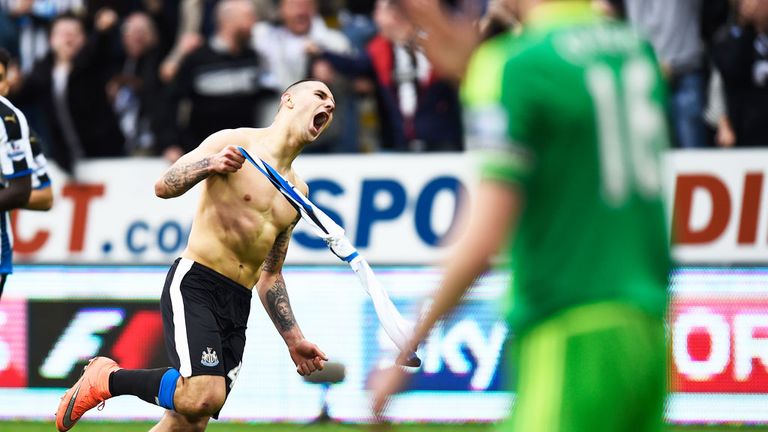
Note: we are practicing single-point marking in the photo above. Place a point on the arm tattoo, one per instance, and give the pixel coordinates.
(280, 306)
(274, 260)
(181, 178)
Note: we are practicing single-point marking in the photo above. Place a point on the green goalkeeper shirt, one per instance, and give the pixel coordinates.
(572, 113)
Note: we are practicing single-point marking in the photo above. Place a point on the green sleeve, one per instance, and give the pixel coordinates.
(511, 158)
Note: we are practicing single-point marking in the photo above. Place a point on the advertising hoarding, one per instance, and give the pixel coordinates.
(720, 206)
(53, 319)
(396, 209)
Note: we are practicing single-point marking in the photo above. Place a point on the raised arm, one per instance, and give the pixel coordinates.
(274, 297)
(218, 154)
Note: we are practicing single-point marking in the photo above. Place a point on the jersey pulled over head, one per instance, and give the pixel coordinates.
(308, 108)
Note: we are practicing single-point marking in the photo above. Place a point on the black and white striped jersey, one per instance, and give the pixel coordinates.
(16, 160)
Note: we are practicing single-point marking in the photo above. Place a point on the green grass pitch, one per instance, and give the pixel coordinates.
(246, 427)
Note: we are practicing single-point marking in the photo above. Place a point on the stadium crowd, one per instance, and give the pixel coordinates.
(105, 78)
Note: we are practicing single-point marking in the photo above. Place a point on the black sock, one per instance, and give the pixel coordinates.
(3, 277)
(143, 383)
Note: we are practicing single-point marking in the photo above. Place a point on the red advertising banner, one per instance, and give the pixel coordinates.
(13, 343)
(720, 343)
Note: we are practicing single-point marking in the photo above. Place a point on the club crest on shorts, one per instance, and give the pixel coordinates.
(209, 358)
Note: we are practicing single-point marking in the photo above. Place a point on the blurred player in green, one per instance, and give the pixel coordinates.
(570, 117)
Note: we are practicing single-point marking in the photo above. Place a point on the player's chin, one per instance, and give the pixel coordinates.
(313, 134)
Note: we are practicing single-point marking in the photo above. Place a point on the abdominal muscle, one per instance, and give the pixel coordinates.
(233, 236)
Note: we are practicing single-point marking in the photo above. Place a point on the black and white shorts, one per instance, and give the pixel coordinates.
(205, 315)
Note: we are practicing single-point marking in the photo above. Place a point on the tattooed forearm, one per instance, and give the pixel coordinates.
(274, 260)
(280, 306)
(180, 179)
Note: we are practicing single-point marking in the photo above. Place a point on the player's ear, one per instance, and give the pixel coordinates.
(286, 100)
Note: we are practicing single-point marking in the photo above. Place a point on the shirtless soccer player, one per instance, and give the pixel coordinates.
(239, 239)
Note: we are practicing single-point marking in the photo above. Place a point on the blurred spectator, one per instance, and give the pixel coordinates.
(741, 55)
(188, 39)
(674, 29)
(221, 80)
(27, 23)
(164, 15)
(418, 111)
(356, 23)
(284, 46)
(265, 9)
(69, 84)
(134, 90)
(186, 43)
(9, 34)
(715, 113)
(197, 17)
(195, 24)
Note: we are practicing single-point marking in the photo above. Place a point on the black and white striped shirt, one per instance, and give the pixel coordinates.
(16, 160)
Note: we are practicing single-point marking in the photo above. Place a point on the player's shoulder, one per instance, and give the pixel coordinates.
(9, 112)
(525, 63)
(5, 104)
(483, 79)
(247, 132)
(526, 50)
(12, 120)
(230, 137)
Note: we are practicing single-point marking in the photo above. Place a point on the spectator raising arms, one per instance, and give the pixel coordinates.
(222, 80)
(69, 84)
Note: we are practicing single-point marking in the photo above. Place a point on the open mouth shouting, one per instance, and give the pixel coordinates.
(319, 121)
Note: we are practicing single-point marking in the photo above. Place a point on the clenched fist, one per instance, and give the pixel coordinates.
(227, 161)
(307, 357)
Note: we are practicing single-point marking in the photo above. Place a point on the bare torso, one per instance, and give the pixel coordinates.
(239, 216)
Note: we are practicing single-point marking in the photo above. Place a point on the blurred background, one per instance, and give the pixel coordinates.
(117, 90)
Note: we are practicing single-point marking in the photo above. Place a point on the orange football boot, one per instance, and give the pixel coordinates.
(91, 390)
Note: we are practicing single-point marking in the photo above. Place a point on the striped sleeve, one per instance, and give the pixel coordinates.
(15, 151)
(40, 177)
